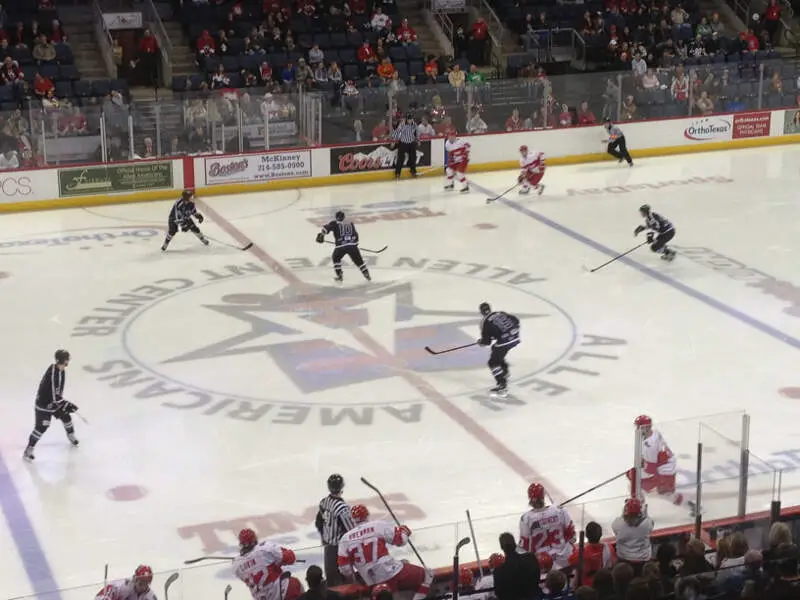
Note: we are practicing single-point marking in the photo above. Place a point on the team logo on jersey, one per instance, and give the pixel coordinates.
(241, 343)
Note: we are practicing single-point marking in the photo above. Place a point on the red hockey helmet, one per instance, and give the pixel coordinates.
(465, 577)
(523, 149)
(359, 513)
(633, 507)
(247, 539)
(142, 578)
(496, 559)
(643, 421)
(535, 492)
(545, 562)
(381, 587)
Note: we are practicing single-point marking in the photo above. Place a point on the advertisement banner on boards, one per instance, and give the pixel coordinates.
(363, 158)
(110, 178)
(252, 168)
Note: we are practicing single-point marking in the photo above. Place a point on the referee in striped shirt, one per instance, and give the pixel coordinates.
(616, 143)
(407, 136)
(333, 521)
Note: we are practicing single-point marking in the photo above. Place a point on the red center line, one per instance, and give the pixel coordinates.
(493, 445)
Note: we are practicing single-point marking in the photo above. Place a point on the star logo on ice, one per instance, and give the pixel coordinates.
(309, 335)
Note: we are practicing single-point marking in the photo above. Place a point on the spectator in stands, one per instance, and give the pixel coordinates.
(586, 593)
(622, 574)
(317, 586)
(320, 75)
(264, 73)
(146, 63)
(316, 56)
(514, 123)
(628, 109)
(425, 129)
(705, 104)
(432, 69)
(475, 124)
(198, 141)
(367, 57)
(534, 121)
(652, 576)
(611, 98)
(19, 36)
(380, 22)
(695, 566)
(638, 66)
(304, 74)
(350, 97)
(780, 541)
(564, 116)
(680, 86)
(43, 51)
(596, 554)
(10, 73)
(478, 42)
(288, 76)
(335, 74)
(9, 160)
(42, 86)
(772, 20)
(750, 40)
(586, 117)
(220, 79)
(57, 33)
(518, 577)
(205, 46)
(34, 31)
(556, 587)
(380, 51)
(457, 81)
(381, 131)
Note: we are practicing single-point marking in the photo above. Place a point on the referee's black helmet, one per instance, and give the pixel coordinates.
(335, 484)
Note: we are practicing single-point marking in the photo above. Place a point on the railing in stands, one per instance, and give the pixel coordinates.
(151, 16)
(104, 40)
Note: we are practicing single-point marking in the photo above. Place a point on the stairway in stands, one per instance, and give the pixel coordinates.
(412, 10)
(80, 29)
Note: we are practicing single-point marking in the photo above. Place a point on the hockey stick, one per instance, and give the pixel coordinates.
(364, 249)
(247, 246)
(82, 418)
(475, 544)
(396, 520)
(228, 589)
(446, 350)
(591, 489)
(170, 580)
(616, 258)
(496, 198)
(192, 561)
(461, 543)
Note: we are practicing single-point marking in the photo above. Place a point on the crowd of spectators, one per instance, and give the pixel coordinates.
(732, 571)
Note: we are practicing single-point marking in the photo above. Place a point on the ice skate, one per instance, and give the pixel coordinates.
(499, 391)
(450, 186)
(540, 189)
(338, 279)
(28, 454)
(524, 191)
(464, 190)
(72, 439)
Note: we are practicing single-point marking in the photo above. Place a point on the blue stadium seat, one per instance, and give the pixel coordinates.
(63, 89)
(397, 53)
(82, 88)
(69, 73)
(179, 83)
(64, 54)
(120, 85)
(101, 88)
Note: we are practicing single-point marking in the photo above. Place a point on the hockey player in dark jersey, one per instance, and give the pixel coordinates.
(346, 244)
(180, 217)
(503, 329)
(659, 232)
(50, 403)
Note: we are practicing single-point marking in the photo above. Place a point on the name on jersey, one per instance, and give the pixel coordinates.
(377, 211)
(292, 529)
(652, 185)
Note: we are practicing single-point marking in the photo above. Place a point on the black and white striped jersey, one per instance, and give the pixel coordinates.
(655, 222)
(51, 389)
(344, 233)
(501, 327)
(333, 519)
(182, 210)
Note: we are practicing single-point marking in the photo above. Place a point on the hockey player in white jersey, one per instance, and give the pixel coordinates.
(135, 588)
(658, 466)
(457, 162)
(259, 567)
(363, 550)
(532, 165)
(546, 529)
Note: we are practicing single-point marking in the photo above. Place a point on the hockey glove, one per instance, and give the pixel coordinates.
(186, 226)
(639, 230)
(199, 217)
(650, 237)
(320, 238)
(482, 342)
(69, 407)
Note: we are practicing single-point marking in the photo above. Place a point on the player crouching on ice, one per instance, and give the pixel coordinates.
(532, 165)
(658, 466)
(135, 588)
(259, 567)
(457, 162)
(363, 550)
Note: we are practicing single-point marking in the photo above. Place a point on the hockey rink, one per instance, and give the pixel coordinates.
(223, 387)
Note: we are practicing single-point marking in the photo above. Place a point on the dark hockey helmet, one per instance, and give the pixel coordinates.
(188, 194)
(644, 210)
(339, 215)
(335, 484)
(485, 308)
(62, 357)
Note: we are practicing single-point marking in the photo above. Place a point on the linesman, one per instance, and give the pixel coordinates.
(406, 134)
(616, 143)
(333, 521)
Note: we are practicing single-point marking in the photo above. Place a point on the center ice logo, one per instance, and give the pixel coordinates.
(211, 345)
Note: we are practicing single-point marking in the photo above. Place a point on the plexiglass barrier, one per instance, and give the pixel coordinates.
(202, 120)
